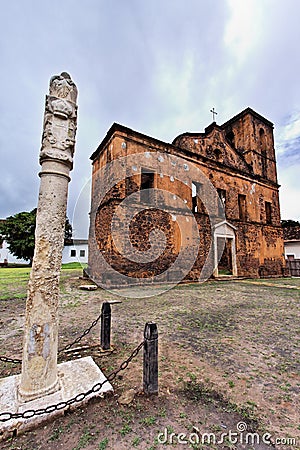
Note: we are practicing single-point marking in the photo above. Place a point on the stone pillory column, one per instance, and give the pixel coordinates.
(39, 366)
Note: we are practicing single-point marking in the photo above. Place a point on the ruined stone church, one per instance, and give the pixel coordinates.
(238, 159)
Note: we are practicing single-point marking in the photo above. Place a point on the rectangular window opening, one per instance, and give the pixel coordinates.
(82, 253)
(242, 206)
(222, 197)
(147, 182)
(196, 192)
(290, 257)
(268, 208)
(73, 253)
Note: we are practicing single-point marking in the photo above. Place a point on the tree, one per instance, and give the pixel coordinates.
(290, 223)
(18, 232)
(68, 232)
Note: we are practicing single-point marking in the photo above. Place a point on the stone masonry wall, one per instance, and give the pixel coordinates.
(233, 166)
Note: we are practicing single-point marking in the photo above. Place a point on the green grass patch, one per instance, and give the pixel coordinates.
(14, 281)
(74, 265)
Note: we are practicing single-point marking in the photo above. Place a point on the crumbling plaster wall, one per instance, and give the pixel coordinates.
(233, 168)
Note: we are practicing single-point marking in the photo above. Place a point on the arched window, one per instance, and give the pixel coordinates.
(217, 153)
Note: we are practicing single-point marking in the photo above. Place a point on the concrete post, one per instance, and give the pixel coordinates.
(39, 366)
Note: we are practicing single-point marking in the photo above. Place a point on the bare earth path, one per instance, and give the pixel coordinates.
(228, 353)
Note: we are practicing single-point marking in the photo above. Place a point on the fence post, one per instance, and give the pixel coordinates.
(150, 378)
(105, 325)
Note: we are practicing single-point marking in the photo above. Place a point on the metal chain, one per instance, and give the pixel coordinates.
(67, 347)
(93, 324)
(10, 360)
(5, 416)
(125, 363)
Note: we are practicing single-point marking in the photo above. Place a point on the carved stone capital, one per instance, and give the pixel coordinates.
(60, 119)
(62, 86)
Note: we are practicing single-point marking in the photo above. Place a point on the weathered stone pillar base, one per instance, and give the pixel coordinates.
(27, 397)
(75, 377)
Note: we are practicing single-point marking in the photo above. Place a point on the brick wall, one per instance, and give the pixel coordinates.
(234, 165)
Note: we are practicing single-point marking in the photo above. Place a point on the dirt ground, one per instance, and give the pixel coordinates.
(228, 354)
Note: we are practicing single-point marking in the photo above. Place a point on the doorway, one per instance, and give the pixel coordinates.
(224, 250)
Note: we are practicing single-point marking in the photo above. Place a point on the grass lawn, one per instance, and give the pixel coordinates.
(13, 281)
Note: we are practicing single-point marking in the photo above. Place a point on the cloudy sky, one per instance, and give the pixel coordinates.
(157, 66)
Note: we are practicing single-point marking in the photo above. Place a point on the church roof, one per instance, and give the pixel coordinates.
(77, 242)
(232, 158)
(225, 124)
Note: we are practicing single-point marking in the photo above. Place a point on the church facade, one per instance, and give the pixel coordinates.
(241, 234)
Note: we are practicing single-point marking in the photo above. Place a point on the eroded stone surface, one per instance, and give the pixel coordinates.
(39, 368)
(127, 397)
(88, 287)
(75, 377)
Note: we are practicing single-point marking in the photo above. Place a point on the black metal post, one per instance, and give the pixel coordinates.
(150, 378)
(105, 326)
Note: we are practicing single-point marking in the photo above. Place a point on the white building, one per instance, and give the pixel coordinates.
(292, 242)
(77, 251)
(292, 249)
(6, 255)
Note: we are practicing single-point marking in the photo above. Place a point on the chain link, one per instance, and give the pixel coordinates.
(67, 347)
(10, 360)
(5, 416)
(124, 365)
(78, 339)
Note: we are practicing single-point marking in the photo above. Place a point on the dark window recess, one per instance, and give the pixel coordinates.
(147, 182)
(217, 153)
(82, 253)
(242, 206)
(194, 204)
(222, 203)
(73, 253)
(222, 195)
(196, 191)
(230, 138)
(268, 208)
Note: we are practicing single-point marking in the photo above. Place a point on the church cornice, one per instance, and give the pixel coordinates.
(116, 127)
